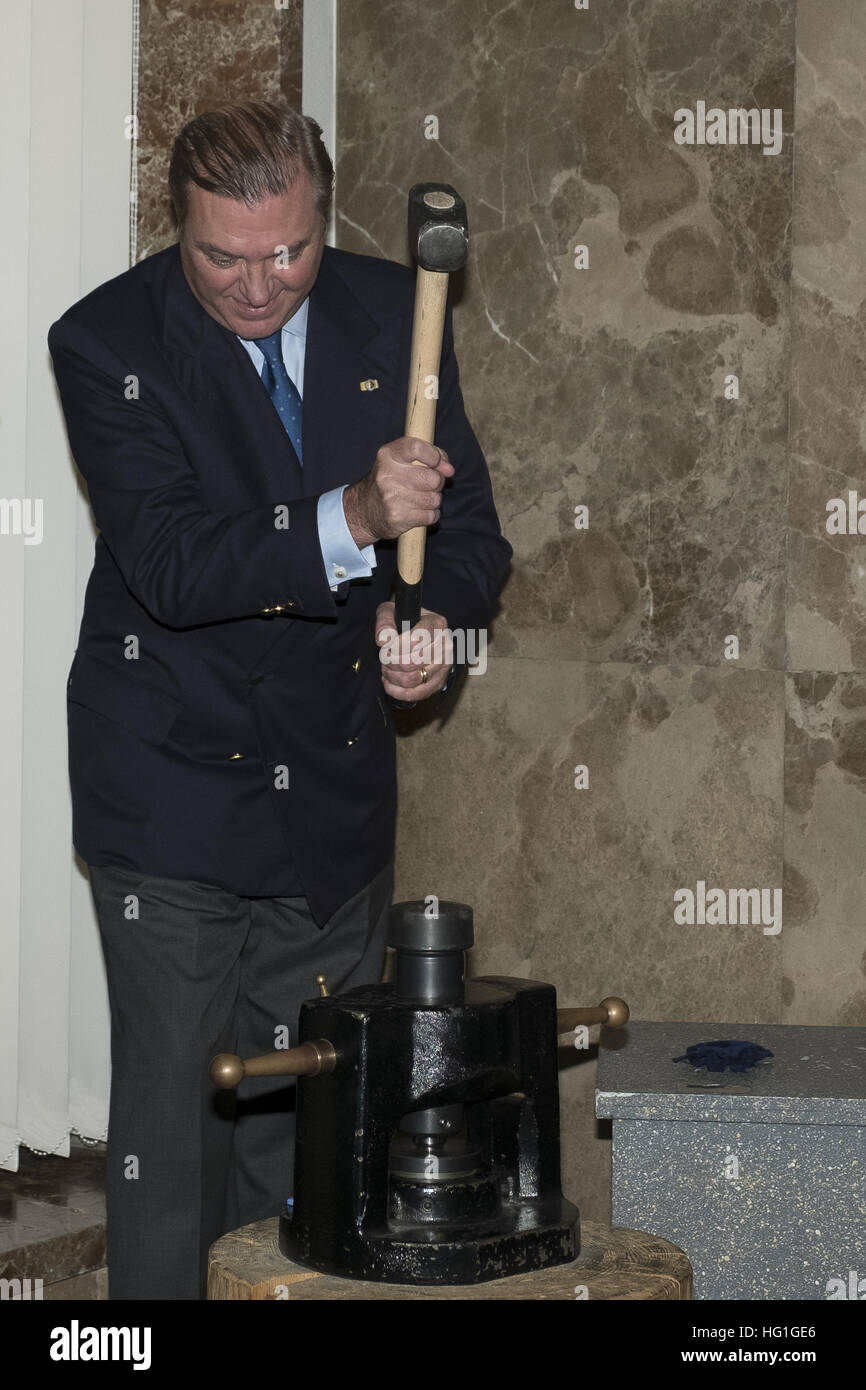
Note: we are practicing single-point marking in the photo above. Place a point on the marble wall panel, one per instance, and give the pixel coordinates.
(603, 385)
(827, 597)
(824, 959)
(195, 55)
(825, 849)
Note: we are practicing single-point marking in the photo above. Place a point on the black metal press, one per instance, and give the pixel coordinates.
(427, 1146)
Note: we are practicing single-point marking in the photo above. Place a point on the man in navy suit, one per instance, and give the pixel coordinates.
(235, 405)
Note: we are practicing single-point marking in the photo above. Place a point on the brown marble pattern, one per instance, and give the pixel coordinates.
(52, 1217)
(603, 386)
(827, 595)
(196, 55)
(825, 849)
(825, 768)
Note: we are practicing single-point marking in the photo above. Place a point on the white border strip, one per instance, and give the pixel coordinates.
(133, 154)
(319, 74)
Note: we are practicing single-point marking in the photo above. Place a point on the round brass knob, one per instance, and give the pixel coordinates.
(617, 1011)
(612, 1012)
(317, 1058)
(226, 1070)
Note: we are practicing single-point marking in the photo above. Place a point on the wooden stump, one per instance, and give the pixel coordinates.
(614, 1264)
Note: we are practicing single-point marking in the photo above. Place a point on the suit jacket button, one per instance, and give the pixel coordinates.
(356, 665)
(235, 755)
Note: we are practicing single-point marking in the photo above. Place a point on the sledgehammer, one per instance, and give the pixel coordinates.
(439, 240)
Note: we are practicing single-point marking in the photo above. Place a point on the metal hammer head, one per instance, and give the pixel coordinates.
(438, 229)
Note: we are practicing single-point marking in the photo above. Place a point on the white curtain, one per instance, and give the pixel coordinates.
(65, 85)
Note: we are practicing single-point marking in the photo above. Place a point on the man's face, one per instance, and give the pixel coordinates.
(252, 268)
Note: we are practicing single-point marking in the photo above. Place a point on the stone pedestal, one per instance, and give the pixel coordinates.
(760, 1177)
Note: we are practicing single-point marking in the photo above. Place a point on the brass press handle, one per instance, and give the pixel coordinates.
(319, 1058)
(612, 1011)
(310, 1059)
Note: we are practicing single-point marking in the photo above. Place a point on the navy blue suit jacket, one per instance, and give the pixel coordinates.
(211, 738)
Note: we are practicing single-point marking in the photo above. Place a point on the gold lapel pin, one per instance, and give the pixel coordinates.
(371, 384)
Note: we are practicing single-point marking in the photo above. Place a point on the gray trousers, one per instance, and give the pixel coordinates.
(192, 971)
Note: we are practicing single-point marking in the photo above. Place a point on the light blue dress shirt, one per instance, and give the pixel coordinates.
(342, 558)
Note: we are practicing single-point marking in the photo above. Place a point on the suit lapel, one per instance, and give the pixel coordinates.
(221, 381)
(343, 426)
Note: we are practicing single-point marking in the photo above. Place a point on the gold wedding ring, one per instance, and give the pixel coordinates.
(424, 674)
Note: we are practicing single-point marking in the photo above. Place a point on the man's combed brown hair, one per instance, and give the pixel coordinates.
(249, 152)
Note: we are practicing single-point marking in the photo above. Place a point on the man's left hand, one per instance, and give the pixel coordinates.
(406, 659)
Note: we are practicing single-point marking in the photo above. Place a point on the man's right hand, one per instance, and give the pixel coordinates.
(396, 494)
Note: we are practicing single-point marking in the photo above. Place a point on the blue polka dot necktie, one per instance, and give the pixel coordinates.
(281, 389)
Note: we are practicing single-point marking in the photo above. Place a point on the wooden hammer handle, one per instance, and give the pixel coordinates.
(431, 292)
